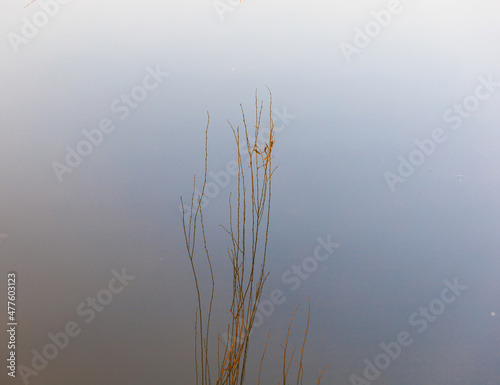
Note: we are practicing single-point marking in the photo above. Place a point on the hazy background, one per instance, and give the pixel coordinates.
(119, 208)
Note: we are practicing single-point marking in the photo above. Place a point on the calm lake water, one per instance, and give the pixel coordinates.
(384, 205)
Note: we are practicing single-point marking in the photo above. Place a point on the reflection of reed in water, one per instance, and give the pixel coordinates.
(246, 252)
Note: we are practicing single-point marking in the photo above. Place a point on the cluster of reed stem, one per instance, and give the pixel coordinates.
(248, 223)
